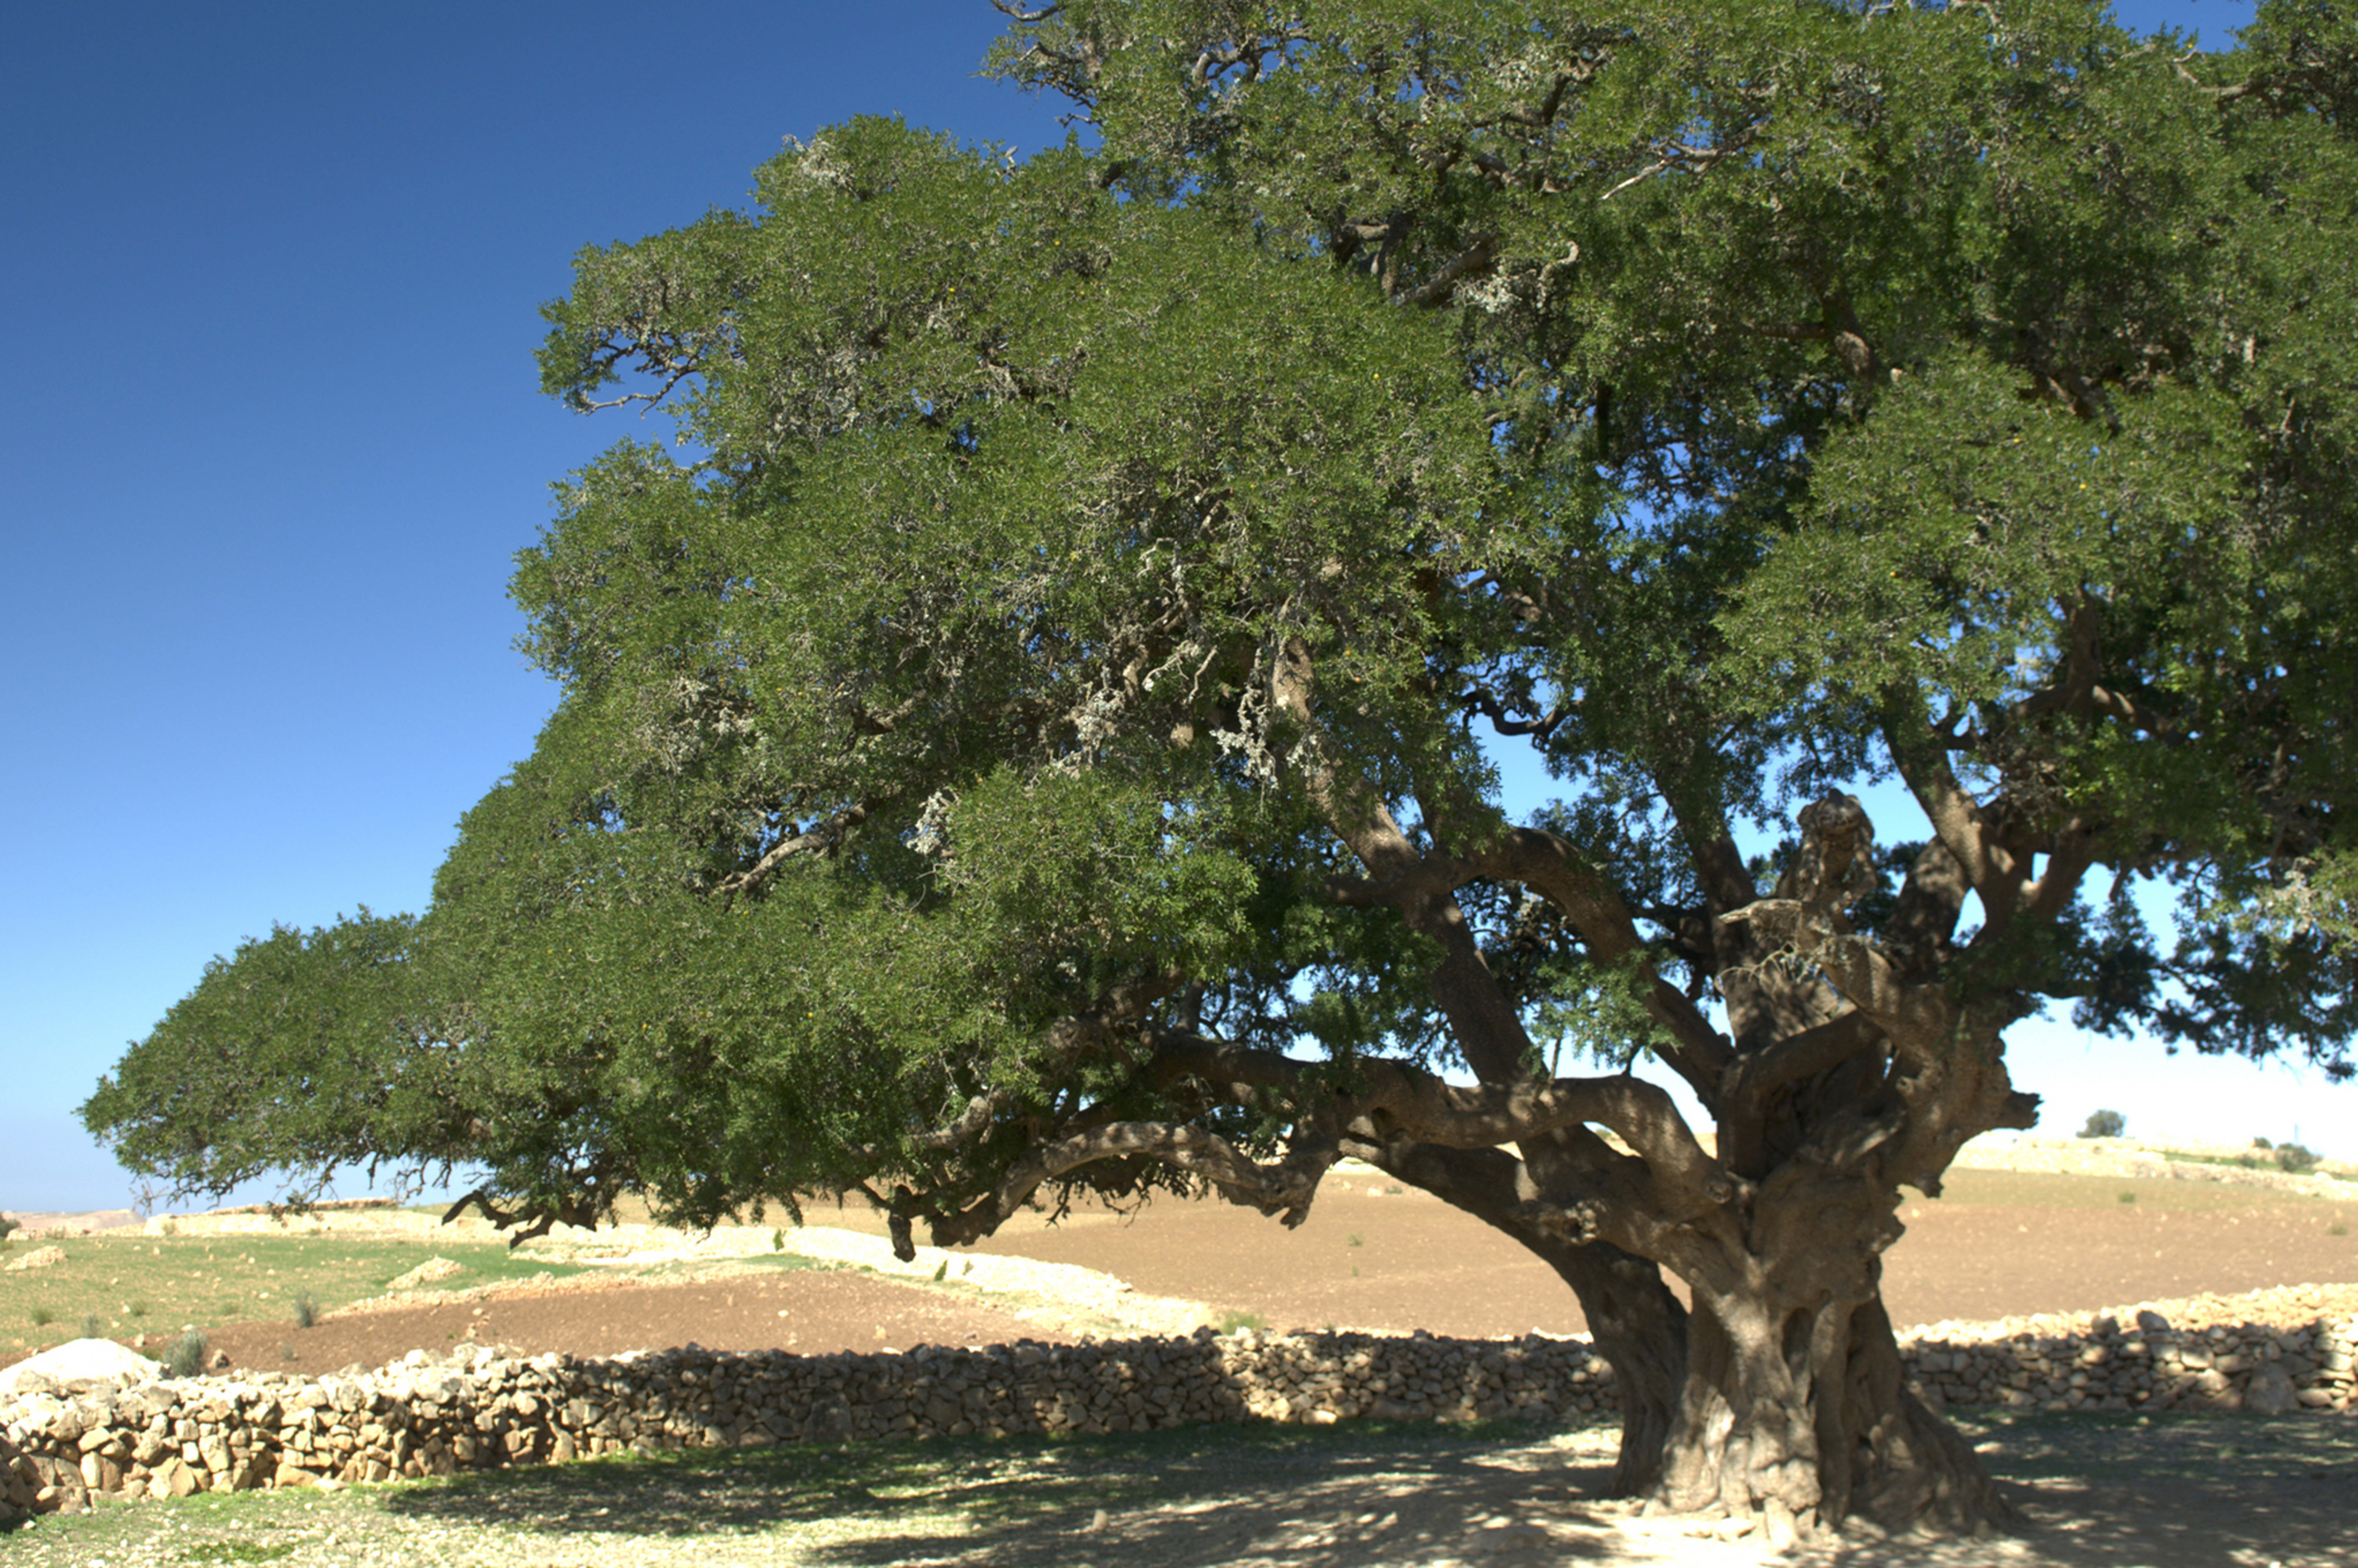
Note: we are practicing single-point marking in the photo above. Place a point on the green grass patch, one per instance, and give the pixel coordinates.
(240, 1551)
(134, 1280)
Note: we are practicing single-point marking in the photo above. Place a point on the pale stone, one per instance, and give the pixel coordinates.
(80, 1358)
(2270, 1391)
(1500, 1540)
(427, 1273)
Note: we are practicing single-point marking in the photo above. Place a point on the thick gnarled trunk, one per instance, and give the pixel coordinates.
(1637, 1325)
(1634, 1319)
(1799, 1418)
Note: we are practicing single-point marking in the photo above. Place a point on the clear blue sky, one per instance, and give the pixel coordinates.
(271, 435)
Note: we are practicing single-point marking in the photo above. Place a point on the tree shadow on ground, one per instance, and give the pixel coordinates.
(1212, 1493)
(2186, 1488)
(2173, 1491)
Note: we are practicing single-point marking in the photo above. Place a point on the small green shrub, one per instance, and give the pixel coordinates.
(2129, 1197)
(2337, 1230)
(1357, 1241)
(2262, 1143)
(43, 1317)
(138, 1309)
(185, 1356)
(307, 1311)
(91, 1327)
(1230, 1322)
(2295, 1160)
(240, 1551)
(8, 1226)
(2105, 1124)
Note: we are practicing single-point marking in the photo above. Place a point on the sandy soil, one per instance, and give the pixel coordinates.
(1999, 1245)
(2109, 1492)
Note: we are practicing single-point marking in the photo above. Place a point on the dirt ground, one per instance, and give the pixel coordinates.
(1997, 1245)
(810, 1312)
(2175, 1491)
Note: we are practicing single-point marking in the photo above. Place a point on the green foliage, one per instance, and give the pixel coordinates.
(306, 1312)
(240, 1551)
(43, 1317)
(90, 1326)
(185, 1356)
(8, 1226)
(2295, 1160)
(2105, 1124)
(1066, 560)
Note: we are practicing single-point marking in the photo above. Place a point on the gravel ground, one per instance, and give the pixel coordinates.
(2169, 1492)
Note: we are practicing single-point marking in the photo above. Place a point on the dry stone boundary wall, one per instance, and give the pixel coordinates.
(422, 1417)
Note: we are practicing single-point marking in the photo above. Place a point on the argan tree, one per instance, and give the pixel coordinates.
(1033, 733)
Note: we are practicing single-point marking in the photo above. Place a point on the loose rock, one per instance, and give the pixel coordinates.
(131, 1434)
(425, 1274)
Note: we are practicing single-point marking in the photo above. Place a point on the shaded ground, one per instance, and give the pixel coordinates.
(2099, 1493)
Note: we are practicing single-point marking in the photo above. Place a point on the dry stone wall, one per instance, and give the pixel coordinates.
(424, 1417)
(2146, 1365)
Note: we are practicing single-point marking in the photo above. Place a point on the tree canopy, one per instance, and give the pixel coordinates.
(1030, 729)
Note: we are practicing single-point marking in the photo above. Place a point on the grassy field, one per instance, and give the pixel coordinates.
(2039, 1189)
(1350, 1495)
(133, 1284)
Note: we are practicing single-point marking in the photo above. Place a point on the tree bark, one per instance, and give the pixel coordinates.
(1634, 1320)
(1639, 1326)
(1798, 1416)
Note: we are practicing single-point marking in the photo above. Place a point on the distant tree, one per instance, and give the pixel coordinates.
(1030, 741)
(2105, 1124)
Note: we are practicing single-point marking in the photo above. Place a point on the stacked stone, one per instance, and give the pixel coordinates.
(20, 1484)
(2147, 1366)
(426, 1418)
(419, 1417)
